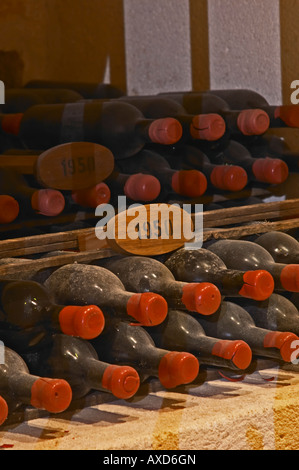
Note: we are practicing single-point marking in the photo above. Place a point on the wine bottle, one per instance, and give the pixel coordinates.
(142, 274)
(225, 177)
(280, 115)
(195, 126)
(9, 209)
(181, 332)
(282, 247)
(92, 196)
(18, 100)
(277, 313)
(265, 170)
(243, 254)
(190, 183)
(238, 121)
(24, 304)
(232, 322)
(79, 283)
(3, 410)
(138, 186)
(274, 146)
(20, 388)
(202, 265)
(125, 344)
(116, 125)
(85, 89)
(76, 361)
(45, 201)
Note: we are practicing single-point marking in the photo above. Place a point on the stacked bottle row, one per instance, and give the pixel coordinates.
(168, 146)
(112, 324)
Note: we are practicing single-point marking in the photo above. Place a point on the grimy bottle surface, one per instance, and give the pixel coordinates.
(243, 254)
(79, 283)
(202, 265)
(126, 344)
(233, 322)
(75, 360)
(180, 331)
(142, 274)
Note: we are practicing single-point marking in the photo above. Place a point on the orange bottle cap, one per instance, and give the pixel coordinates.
(84, 321)
(229, 177)
(11, 123)
(289, 277)
(253, 122)
(286, 342)
(92, 197)
(177, 368)
(166, 131)
(49, 202)
(236, 351)
(289, 114)
(192, 183)
(148, 309)
(203, 298)
(209, 127)
(3, 410)
(270, 170)
(9, 209)
(142, 187)
(258, 285)
(122, 381)
(53, 395)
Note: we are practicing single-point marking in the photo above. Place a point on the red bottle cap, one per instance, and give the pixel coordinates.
(289, 277)
(286, 342)
(229, 177)
(86, 322)
(166, 131)
(122, 381)
(270, 170)
(203, 298)
(209, 127)
(141, 187)
(258, 285)
(192, 183)
(9, 209)
(289, 114)
(177, 368)
(92, 197)
(236, 351)
(148, 309)
(3, 410)
(253, 122)
(11, 123)
(49, 202)
(53, 395)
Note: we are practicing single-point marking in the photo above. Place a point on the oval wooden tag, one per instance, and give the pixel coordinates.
(74, 166)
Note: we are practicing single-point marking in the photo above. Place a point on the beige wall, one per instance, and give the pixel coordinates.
(148, 45)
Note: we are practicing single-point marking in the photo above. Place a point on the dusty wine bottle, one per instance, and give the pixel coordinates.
(75, 360)
(190, 183)
(202, 265)
(243, 254)
(226, 177)
(138, 186)
(125, 344)
(19, 387)
(282, 247)
(232, 322)
(195, 126)
(116, 125)
(181, 332)
(26, 304)
(238, 121)
(78, 284)
(142, 274)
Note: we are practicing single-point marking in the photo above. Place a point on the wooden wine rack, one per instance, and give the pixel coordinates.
(235, 222)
